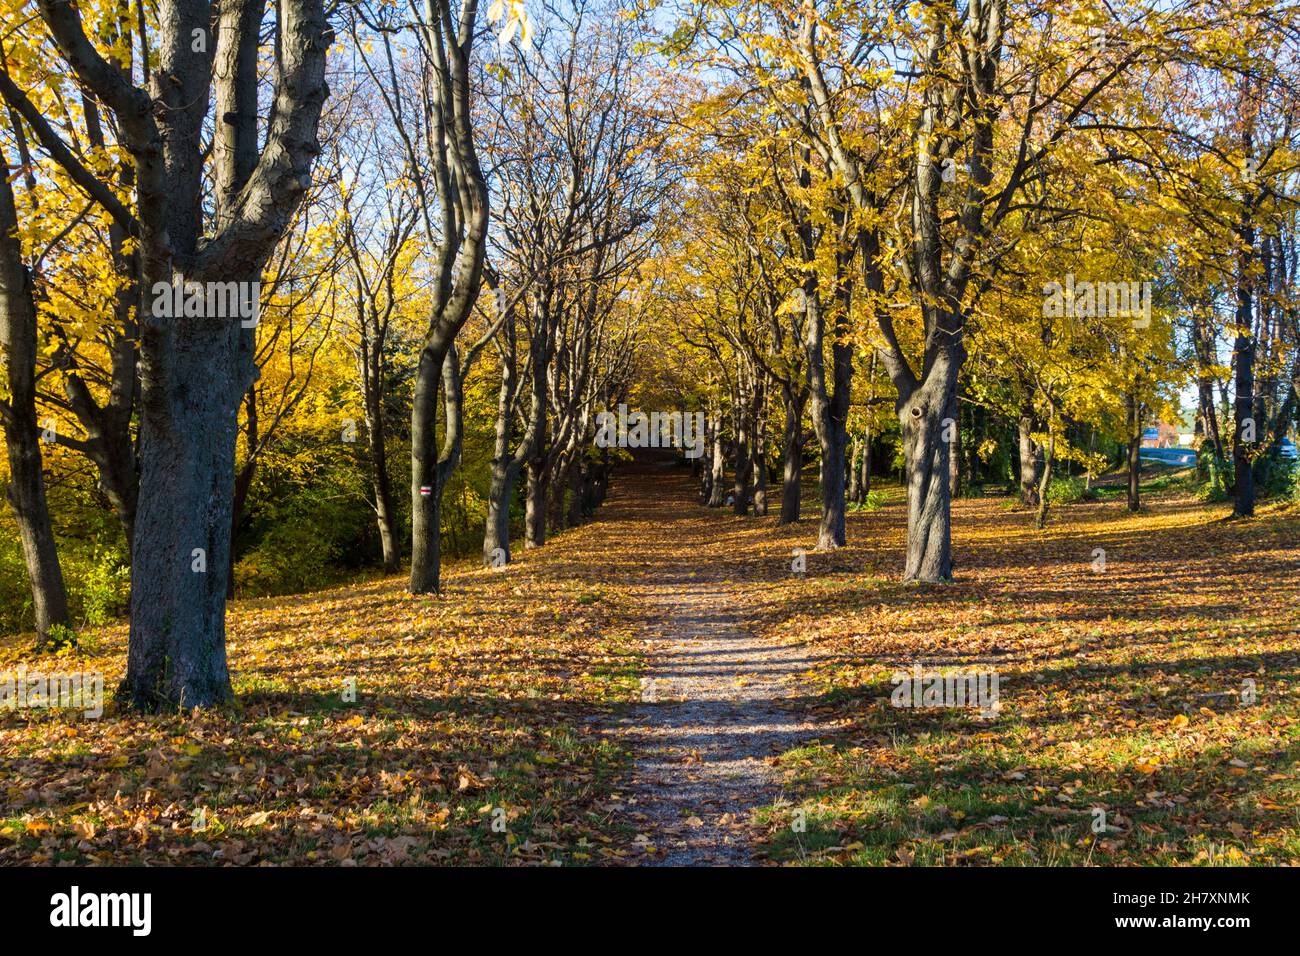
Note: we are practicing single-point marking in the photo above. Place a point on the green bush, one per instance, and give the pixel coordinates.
(95, 575)
(1069, 490)
(105, 589)
(1218, 472)
(15, 596)
(292, 555)
(875, 499)
(1275, 477)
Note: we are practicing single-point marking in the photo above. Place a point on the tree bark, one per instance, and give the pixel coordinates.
(717, 465)
(855, 475)
(865, 485)
(792, 458)
(1244, 404)
(506, 465)
(1031, 461)
(1040, 521)
(26, 492)
(382, 486)
(445, 51)
(742, 461)
(830, 413)
(929, 523)
(1134, 451)
(759, 465)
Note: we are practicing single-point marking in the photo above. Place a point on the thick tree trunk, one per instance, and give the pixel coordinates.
(181, 559)
(830, 533)
(717, 466)
(496, 532)
(743, 463)
(425, 495)
(194, 369)
(1031, 462)
(535, 503)
(830, 413)
(426, 512)
(1040, 521)
(929, 523)
(26, 491)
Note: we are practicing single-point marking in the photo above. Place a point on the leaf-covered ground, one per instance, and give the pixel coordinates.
(1161, 688)
(1126, 688)
(473, 737)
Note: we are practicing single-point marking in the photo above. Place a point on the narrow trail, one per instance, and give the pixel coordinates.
(710, 718)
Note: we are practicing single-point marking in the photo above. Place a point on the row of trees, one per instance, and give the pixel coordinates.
(936, 210)
(450, 219)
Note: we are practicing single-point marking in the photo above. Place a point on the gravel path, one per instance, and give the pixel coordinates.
(708, 724)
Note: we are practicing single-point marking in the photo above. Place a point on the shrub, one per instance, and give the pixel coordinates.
(1215, 488)
(15, 596)
(875, 499)
(293, 555)
(105, 589)
(1276, 476)
(1069, 490)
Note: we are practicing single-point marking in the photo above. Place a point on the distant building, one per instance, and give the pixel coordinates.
(1160, 435)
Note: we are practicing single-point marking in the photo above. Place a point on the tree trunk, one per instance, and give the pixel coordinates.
(855, 475)
(505, 467)
(425, 496)
(743, 463)
(717, 465)
(1134, 452)
(181, 558)
(865, 485)
(1040, 521)
(830, 413)
(26, 491)
(929, 523)
(759, 466)
(426, 535)
(382, 485)
(496, 536)
(577, 479)
(830, 534)
(706, 471)
(535, 504)
(792, 457)
(1030, 461)
(1247, 428)
(195, 369)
